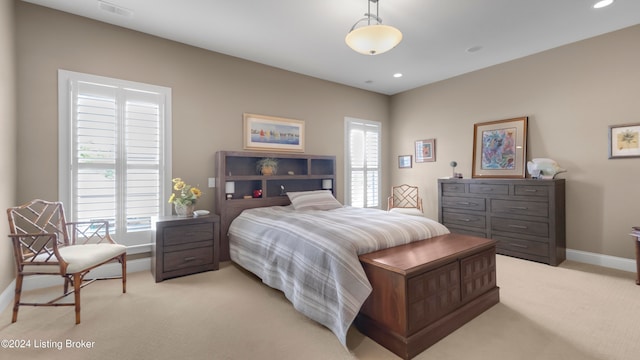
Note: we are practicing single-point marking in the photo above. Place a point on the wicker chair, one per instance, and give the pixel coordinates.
(405, 199)
(45, 244)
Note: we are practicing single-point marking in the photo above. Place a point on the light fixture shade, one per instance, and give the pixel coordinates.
(327, 184)
(373, 39)
(230, 187)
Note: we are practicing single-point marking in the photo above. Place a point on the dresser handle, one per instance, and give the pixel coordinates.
(191, 258)
(517, 226)
(463, 203)
(487, 189)
(466, 220)
(519, 246)
(518, 208)
(530, 190)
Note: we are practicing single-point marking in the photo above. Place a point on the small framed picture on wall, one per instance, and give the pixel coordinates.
(404, 161)
(426, 150)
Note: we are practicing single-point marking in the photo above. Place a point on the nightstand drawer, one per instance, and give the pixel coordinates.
(463, 203)
(188, 258)
(175, 235)
(520, 226)
(520, 207)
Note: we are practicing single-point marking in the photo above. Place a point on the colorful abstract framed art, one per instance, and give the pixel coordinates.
(500, 148)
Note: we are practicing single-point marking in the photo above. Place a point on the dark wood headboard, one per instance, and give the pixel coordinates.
(296, 172)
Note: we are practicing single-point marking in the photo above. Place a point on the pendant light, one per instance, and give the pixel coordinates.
(373, 38)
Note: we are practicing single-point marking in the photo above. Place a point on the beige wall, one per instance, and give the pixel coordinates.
(7, 135)
(571, 95)
(210, 93)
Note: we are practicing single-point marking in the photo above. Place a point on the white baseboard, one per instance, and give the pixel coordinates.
(43, 281)
(608, 261)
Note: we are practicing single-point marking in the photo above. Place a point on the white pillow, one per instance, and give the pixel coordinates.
(313, 200)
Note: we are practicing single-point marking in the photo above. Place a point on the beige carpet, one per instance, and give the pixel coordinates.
(573, 311)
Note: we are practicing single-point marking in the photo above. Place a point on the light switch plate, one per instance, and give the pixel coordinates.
(212, 182)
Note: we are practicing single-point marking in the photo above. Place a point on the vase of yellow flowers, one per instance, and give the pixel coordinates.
(184, 200)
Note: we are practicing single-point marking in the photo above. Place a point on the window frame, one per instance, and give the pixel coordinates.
(136, 241)
(350, 122)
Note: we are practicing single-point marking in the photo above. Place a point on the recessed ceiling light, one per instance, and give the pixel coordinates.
(474, 49)
(602, 3)
(397, 75)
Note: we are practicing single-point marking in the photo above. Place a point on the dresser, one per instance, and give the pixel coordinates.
(185, 245)
(525, 216)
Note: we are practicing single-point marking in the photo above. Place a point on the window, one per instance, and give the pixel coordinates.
(114, 153)
(362, 163)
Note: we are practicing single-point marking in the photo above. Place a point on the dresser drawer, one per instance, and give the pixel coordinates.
(522, 246)
(520, 226)
(531, 190)
(464, 203)
(479, 221)
(495, 189)
(519, 207)
(453, 188)
(174, 235)
(187, 258)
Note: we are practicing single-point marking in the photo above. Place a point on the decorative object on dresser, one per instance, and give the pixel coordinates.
(311, 172)
(270, 133)
(500, 148)
(542, 168)
(426, 150)
(185, 246)
(624, 141)
(267, 166)
(526, 217)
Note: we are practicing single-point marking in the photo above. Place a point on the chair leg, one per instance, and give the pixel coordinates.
(77, 285)
(16, 298)
(123, 261)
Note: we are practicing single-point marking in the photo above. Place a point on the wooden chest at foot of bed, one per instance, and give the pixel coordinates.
(425, 290)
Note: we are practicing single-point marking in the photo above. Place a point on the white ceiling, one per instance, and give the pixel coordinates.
(307, 37)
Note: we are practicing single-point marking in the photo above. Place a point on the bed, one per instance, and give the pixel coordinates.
(340, 265)
(312, 255)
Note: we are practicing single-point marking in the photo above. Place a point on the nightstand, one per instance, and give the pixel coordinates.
(185, 246)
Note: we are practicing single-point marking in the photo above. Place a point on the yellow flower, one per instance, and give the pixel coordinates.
(196, 192)
(179, 185)
(173, 196)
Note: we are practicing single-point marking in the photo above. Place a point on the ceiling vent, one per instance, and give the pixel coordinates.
(115, 9)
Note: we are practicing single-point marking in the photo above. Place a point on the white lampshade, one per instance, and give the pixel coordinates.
(229, 187)
(373, 39)
(327, 184)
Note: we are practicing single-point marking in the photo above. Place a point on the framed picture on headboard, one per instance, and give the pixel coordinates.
(270, 133)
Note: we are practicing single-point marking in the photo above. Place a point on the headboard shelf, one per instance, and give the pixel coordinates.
(296, 172)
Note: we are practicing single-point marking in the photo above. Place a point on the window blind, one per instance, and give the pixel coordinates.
(363, 163)
(117, 153)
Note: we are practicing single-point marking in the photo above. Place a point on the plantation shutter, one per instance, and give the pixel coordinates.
(363, 163)
(117, 155)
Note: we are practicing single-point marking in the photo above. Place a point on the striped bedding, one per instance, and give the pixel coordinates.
(312, 255)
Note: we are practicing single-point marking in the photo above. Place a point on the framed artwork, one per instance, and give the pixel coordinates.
(426, 150)
(404, 161)
(624, 141)
(262, 132)
(500, 148)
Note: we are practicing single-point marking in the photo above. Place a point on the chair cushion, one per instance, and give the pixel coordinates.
(79, 257)
(408, 211)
